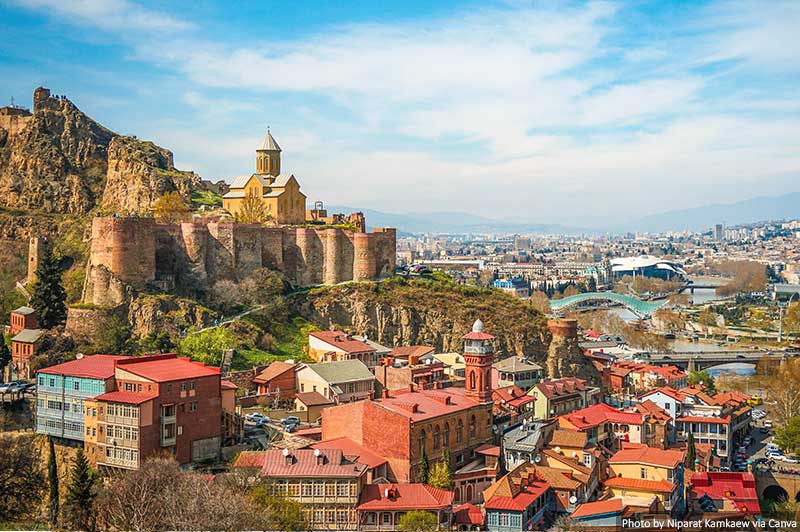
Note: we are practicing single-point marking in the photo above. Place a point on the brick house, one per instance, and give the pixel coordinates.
(24, 345)
(277, 379)
(405, 425)
(381, 506)
(23, 318)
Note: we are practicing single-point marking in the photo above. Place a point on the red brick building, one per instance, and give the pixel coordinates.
(277, 379)
(402, 426)
(161, 403)
(23, 318)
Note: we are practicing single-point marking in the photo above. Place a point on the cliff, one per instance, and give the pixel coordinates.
(61, 162)
(436, 313)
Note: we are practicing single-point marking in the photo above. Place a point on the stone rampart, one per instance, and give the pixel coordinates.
(138, 253)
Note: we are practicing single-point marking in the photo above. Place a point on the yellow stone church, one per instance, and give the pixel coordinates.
(280, 192)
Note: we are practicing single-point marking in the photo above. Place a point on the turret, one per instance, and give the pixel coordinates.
(478, 357)
(268, 157)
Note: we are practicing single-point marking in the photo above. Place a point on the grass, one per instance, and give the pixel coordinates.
(206, 197)
(291, 342)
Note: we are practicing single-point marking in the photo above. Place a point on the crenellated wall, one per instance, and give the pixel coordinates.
(138, 253)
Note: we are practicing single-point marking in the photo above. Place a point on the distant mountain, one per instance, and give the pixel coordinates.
(453, 222)
(703, 218)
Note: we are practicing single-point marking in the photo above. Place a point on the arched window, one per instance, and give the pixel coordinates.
(459, 431)
(472, 426)
(421, 442)
(472, 380)
(437, 437)
(446, 440)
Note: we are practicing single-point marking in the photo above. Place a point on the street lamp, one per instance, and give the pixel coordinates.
(781, 307)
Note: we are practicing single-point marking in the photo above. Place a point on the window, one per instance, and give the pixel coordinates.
(76, 385)
(459, 431)
(193, 406)
(52, 383)
(180, 430)
(422, 442)
(169, 387)
(643, 472)
(183, 386)
(446, 435)
(386, 518)
(472, 428)
(41, 381)
(192, 385)
(437, 437)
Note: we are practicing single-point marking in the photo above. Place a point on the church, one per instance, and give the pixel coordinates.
(280, 192)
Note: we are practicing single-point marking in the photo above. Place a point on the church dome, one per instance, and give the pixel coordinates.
(477, 326)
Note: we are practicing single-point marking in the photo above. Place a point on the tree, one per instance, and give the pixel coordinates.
(156, 342)
(788, 436)
(570, 290)
(5, 354)
(207, 346)
(253, 210)
(707, 317)
(262, 287)
(52, 479)
(704, 379)
(283, 513)
(540, 302)
(170, 209)
(440, 476)
(791, 320)
(21, 477)
(114, 337)
(49, 297)
(422, 476)
(418, 521)
(782, 387)
(690, 452)
(81, 493)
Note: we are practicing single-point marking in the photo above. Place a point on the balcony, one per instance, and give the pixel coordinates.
(118, 462)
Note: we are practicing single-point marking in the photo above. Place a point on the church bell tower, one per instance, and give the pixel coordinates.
(478, 358)
(268, 157)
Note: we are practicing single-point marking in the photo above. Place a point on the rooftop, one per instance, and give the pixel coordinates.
(126, 397)
(609, 506)
(648, 455)
(301, 463)
(404, 497)
(352, 451)
(313, 399)
(28, 336)
(166, 367)
(90, 367)
(275, 369)
(342, 371)
(655, 486)
(552, 388)
(342, 341)
(426, 404)
(595, 415)
(23, 310)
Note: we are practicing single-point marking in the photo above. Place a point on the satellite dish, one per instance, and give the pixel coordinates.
(557, 449)
(574, 454)
(573, 499)
(537, 458)
(285, 452)
(317, 452)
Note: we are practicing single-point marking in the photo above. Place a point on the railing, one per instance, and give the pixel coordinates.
(118, 462)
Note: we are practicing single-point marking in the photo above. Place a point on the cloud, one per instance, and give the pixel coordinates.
(109, 15)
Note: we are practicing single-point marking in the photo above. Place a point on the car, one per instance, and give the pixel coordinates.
(256, 418)
(12, 387)
(761, 460)
(772, 445)
(747, 441)
(791, 459)
(291, 420)
(775, 455)
(768, 424)
(291, 427)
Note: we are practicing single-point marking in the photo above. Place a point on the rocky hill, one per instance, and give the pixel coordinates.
(61, 162)
(437, 313)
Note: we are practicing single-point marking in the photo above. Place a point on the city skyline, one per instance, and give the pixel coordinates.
(517, 111)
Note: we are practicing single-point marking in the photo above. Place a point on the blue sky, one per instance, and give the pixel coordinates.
(544, 111)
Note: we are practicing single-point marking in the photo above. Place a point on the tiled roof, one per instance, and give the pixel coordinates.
(342, 371)
(515, 491)
(655, 486)
(28, 336)
(608, 506)
(303, 463)
(250, 459)
(275, 369)
(426, 404)
(404, 497)
(648, 455)
(411, 350)
(90, 367)
(561, 387)
(595, 415)
(653, 410)
(353, 451)
(475, 335)
(341, 342)
(569, 461)
(722, 420)
(568, 438)
(126, 397)
(167, 367)
(513, 395)
(488, 449)
(228, 385)
(468, 514)
(668, 391)
(313, 399)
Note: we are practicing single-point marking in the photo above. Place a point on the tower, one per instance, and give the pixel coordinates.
(478, 360)
(268, 156)
(35, 249)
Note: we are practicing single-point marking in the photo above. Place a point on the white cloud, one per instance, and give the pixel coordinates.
(121, 15)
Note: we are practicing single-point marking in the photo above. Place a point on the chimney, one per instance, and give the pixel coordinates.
(411, 387)
(385, 393)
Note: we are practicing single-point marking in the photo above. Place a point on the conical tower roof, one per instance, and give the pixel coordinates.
(269, 143)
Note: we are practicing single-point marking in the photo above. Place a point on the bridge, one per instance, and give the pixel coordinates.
(698, 360)
(642, 309)
(774, 485)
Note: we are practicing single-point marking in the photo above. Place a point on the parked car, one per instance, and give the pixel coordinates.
(291, 420)
(791, 459)
(256, 417)
(747, 441)
(12, 387)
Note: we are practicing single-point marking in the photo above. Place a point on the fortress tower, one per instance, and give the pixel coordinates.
(35, 249)
(478, 359)
(268, 157)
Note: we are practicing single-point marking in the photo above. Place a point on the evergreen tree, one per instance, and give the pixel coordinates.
(49, 297)
(422, 477)
(690, 452)
(5, 354)
(79, 503)
(52, 478)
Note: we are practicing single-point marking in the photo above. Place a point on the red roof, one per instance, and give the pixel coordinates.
(228, 385)
(723, 420)
(488, 449)
(595, 415)
(478, 336)
(551, 388)
(648, 455)
(668, 391)
(404, 497)
(352, 450)
(341, 342)
(426, 404)
(656, 486)
(90, 367)
(272, 371)
(302, 463)
(738, 488)
(598, 508)
(126, 397)
(526, 496)
(168, 367)
(468, 514)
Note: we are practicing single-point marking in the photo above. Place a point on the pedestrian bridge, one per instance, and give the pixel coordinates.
(643, 309)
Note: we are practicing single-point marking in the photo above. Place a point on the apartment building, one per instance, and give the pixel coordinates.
(559, 396)
(341, 382)
(640, 472)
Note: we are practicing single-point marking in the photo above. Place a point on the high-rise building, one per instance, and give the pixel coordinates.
(719, 233)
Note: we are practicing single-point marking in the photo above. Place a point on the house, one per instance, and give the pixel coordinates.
(642, 472)
(381, 506)
(661, 431)
(524, 442)
(516, 371)
(399, 373)
(519, 500)
(454, 364)
(405, 425)
(160, 403)
(278, 193)
(61, 391)
(722, 491)
(376, 464)
(625, 376)
(471, 479)
(468, 518)
(606, 425)
(667, 398)
(277, 379)
(325, 482)
(341, 382)
(24, 346)
(409, 352)
(22, 318)
(311, 405)
(559, 396)
(335, 346)
(511, 403)
(607, 513)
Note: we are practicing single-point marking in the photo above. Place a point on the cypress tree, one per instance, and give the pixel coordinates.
(52, 477)
(423, 469)
(49, 297)
(690, 452)
(80, 495)
(5, 354)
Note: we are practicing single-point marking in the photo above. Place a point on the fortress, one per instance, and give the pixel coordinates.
(129, 253)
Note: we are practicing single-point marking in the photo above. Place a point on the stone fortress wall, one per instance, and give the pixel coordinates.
(130, 253)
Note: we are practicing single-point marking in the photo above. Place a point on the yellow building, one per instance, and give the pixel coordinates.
(639, 473)
(280, 193)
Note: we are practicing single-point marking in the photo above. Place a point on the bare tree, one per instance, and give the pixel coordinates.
(22, 480)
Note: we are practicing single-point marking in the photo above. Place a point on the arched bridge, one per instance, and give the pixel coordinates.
(642, 309)
(777, 486)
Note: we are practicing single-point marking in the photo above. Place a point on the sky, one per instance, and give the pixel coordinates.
(522, 111)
